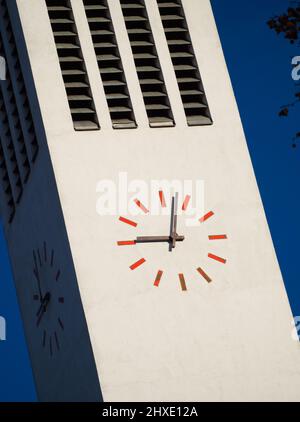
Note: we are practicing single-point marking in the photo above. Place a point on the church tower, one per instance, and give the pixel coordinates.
(141, 254)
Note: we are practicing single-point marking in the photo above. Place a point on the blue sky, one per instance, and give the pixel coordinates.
(259, 63)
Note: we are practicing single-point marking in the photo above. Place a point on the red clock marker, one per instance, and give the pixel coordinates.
(186, 202)
(141, 206)
(206, 217)
(158, 278)
(162, 199)
(218, 237)
(126, 242)
(217, 258)
(137, 264)
(126, 221)
(204, 275)
(182, 282)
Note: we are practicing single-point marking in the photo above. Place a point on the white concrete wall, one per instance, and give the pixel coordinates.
(230, 340)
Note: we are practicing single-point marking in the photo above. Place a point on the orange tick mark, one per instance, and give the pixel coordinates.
(204, 275)
(141, 206)
(129, 222)
(206, 217)
(182, 282)
(126, 242)
(137, 264)
(217, 258)
(186, 202)
(162, 199)
(218, 237)
(158, 278)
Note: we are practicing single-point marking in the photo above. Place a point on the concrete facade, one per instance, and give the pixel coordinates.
(226, 340)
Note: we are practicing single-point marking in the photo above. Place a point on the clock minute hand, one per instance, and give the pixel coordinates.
(174, 232)
(157, 239)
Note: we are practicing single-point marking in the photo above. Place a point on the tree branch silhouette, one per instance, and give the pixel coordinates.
(288, 25)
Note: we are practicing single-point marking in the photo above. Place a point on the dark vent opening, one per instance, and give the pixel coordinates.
(147, 63)
(72, 65)
(18, 139)
(184, 62)
(110, 64)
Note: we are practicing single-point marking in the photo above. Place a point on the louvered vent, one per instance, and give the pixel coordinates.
(18, 141)
(25, 129)
(72, 65)
(147, 63)
(110, 64)
(184, 62)
(10, 173)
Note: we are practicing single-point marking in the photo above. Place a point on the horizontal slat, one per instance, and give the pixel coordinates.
(191, 92)
(175, 29)
(58, 8)
(187, 80)
(116, 96)
(64, 34)
(104, 45)
(168, 4)
(135, 19)
(123, 124)
(101, 32)
(138, 56)
(114, 83)
(151, 82)
(132, 6)
(71, 72)
(110, 70)
(107, 57)
(79, 98)
(119, 109)
(76, 85)
(198, 120)
(54, 21)
(153, 94)
(181, 55)
(70, 59)
(178, 42)
(161, 122)
(138, 31)
(82, 110)
(157, 107)
(67, 46)
(85, 125)
(147, 69)
(95, 7)
(184, 67)
(193, 105)
(141, 44)
(172, 18)
(98, 19)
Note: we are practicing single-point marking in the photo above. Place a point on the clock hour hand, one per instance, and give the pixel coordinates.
(158, 239)
(43, 307)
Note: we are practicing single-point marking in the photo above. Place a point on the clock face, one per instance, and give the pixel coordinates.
(178, 252)
(47, 300)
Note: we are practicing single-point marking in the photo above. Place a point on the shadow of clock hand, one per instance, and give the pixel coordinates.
(43, 308)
